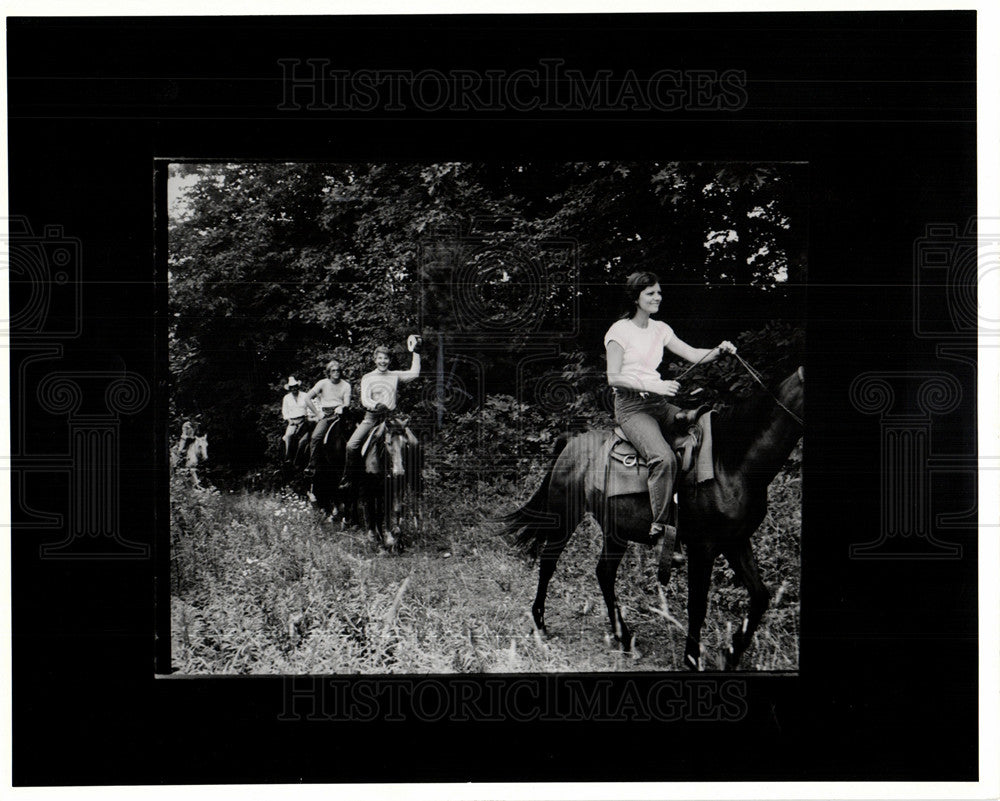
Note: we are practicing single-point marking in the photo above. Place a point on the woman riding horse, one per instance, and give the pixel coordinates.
(751, 443)
(634, 347)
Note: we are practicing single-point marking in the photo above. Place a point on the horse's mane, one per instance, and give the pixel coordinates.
(735, 428)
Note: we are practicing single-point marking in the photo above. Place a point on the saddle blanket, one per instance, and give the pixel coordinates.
(625, 472)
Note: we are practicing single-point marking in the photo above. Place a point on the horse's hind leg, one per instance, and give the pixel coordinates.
(741, 560)
(607, 569)
(547, 560)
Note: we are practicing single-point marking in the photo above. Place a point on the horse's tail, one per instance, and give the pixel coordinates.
(532, 522)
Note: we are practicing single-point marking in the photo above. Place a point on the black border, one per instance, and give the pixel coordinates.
(882, 106)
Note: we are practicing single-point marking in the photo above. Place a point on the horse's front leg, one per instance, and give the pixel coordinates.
(700, 561)
(394, 512)
(369, 512)
(394, 503)
(607, 569)
(741, 560)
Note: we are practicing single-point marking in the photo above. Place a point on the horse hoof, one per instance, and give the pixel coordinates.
(690, 663)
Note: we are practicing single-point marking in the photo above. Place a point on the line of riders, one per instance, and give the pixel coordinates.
(722, 511)
(311, 413)
(634, 347)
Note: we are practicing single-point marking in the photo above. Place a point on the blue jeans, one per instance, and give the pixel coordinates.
(361, 432)
(356, 441)
(641, 419)
(316, 440)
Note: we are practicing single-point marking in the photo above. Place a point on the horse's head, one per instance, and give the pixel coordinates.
(791, 392)
(396, 439)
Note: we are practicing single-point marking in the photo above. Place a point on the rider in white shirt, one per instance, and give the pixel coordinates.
(334, 395)
(378, 396)
(634, 347)
(296, 408)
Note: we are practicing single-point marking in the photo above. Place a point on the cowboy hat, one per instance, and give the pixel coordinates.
(292, 383)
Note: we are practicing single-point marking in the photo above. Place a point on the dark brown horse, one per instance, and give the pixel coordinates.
(340, 504)
(298, 446)
(751, 443)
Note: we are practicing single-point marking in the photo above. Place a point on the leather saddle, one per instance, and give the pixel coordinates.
(685, 434)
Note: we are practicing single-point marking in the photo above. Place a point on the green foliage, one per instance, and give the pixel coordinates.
(774, 352)
(276, 268)
(261, 584)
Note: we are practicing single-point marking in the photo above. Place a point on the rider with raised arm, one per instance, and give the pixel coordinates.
(378, 396)
(334, 395)
(634, 347)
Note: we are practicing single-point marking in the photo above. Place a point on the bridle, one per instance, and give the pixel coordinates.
(756, 377)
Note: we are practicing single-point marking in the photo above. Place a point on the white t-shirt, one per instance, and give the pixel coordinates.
(332, 396)
(294, 406)
(643, 348)
(379, 387)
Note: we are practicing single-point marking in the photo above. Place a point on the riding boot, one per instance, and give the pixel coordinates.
(350, 466)
(310, 470)
(677, 557)
(668, 553)
(664, 540)
(661, 534)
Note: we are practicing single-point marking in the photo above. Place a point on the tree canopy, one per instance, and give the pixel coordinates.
(276, 268)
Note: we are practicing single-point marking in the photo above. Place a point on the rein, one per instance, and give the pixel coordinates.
(679, 377)
(756, 377)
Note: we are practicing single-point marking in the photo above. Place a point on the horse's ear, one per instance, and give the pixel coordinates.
(802, 374)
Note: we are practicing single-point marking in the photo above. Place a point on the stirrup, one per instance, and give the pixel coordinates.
(660, 531)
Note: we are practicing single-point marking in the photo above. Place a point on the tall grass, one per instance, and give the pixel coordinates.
(262, 583)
